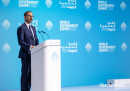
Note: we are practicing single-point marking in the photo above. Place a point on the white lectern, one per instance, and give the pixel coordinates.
(46, 66)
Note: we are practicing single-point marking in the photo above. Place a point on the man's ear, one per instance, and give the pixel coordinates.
(24, 17)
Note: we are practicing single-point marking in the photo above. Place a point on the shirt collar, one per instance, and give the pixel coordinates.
(27, 24)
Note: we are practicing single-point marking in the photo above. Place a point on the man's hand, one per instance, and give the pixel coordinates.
(32, 47)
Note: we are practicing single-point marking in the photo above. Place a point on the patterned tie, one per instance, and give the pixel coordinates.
(32, 35)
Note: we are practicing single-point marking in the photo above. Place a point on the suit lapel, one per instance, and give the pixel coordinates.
(29, 31)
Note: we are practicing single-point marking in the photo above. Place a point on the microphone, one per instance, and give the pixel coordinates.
(45, 33)
(41, 34)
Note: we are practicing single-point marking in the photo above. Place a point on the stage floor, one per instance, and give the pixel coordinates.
(86, 88)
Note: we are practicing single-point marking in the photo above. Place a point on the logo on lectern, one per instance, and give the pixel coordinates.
(54, 57)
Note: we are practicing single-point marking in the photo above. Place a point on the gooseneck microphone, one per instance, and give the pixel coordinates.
(45, 33)
(41, 34)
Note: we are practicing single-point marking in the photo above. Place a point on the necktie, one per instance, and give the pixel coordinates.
(30, 29)
(32, 34)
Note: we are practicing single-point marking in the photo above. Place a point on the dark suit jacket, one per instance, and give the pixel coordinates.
(26, 39)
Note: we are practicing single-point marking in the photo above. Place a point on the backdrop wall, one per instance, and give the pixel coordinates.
(94, 38)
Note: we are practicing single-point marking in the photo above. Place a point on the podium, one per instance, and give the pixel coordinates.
(46, 66)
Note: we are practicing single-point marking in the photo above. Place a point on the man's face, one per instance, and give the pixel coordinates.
(29, 17)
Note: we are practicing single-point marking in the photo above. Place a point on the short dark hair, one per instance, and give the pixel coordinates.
(26, 13)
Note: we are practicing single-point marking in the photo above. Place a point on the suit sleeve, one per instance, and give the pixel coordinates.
(20, 35)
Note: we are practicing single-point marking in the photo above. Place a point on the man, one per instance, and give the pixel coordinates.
(27, 40)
